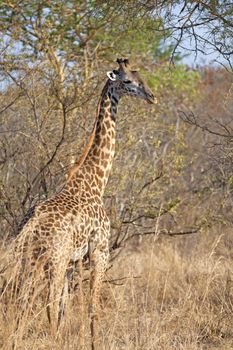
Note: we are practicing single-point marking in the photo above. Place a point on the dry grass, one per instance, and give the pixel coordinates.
(178, 294)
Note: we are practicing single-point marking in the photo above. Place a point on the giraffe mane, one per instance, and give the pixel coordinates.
(72, 171)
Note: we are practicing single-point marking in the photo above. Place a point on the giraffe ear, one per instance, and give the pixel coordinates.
(111, 76)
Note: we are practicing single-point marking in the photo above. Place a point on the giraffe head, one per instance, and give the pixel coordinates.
(129, 82)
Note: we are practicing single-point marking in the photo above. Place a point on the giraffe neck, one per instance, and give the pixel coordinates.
(96, 163)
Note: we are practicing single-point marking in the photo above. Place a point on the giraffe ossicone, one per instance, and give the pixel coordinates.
(64, 227)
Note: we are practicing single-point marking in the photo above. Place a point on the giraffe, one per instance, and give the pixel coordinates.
(73, 222)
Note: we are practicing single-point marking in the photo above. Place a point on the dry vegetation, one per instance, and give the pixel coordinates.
(177, 294)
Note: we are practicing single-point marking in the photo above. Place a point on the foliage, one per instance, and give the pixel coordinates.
(97, 28)
(73, 28)
(165, 79)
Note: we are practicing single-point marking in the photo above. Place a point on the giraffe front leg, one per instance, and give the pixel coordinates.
(56, 305)
(81, 302)
(57, 298)
(98, 262)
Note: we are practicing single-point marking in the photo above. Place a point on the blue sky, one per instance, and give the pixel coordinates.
(191, 59)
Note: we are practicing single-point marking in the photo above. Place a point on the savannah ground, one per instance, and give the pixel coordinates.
(172, 293)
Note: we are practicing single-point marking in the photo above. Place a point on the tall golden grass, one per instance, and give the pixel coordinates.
(164, 293)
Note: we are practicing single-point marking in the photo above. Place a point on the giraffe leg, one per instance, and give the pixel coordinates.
(62, 304)
(58, 291)
(81, 302)
(98, 262)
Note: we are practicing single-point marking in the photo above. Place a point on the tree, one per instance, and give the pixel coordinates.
(207, 24)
